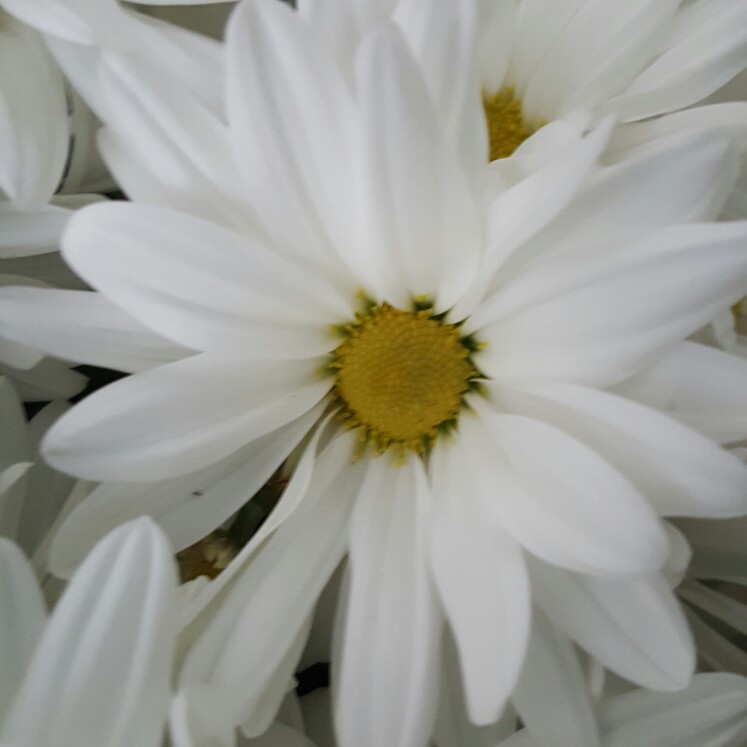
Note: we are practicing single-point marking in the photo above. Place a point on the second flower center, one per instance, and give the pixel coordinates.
(507, 129)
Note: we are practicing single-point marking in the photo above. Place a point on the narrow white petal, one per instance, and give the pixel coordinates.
(35, 132)
(199, 718)
(496, 28)
(575, 511)
(386, 688)
(46, 381)
(612, 311)
(443, 38)
(679, 179)
(179, 417)
(633, 626)
(14, 446)
(272, 596)
(187, 508)
(285, 91)
(83, 327)
(24, 234)
(419, 228)
(481, 578)
(204, 286)
(709, 713)
(100, 674)
(22, 618)
(705, 51)
(523, 210)
(551, 696)
(679, 471)
(674, 383)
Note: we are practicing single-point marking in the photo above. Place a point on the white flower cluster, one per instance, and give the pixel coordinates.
(373, 373)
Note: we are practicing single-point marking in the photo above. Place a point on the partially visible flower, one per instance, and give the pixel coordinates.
(97, 674)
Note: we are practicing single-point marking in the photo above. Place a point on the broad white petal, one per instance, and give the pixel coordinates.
(269, 601)
(526, 208)
(633, 626)
(682, 178)
(481, 578)
(679, 471)
(24, 234)
(286, 92)
(179, 417)
(674, 383)
(551, 696)
(33, 118)
(708, 713)
(419, 229)
(82, 327)
(22, 619)
(496, 30)
(600, 318)
(100, 674)
(706, 50)
(559, 498)
(204, 286)
(443, 38)
(386, 687)
(187, 508)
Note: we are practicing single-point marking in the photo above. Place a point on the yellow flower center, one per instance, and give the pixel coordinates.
(507, 129)
(401, 376)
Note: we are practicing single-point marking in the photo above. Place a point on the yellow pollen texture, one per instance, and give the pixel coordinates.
(507, 129)
(401, 376)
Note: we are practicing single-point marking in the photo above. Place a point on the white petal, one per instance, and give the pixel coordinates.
(271, 598)
(27, 233)
(286, 92)
(618, 39)
(559, 498)
(47, 380)
(14, 445)
(179, 417)
(633, 626)
(480, 574)
(100, 674)
(442, 37)
(551, 695)
(187, 508)
(496, 27)
(22, 618)
(612, 311)
(35, 131)
(199, 718)
(674, 383)
(453, 725)
(679, 179)
(730, 611)
(706, 51)
(709, 713)
(678, 470)
(76, 20)
(386, 689)
(83, 327)
(728, 118)
(525, 209)
(419, 228)
(201, 285)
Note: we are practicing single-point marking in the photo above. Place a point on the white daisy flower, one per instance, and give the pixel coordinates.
(478, 357)
(97, 673)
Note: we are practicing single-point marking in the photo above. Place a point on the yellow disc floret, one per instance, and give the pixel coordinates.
(507, 129)
(401, 376)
